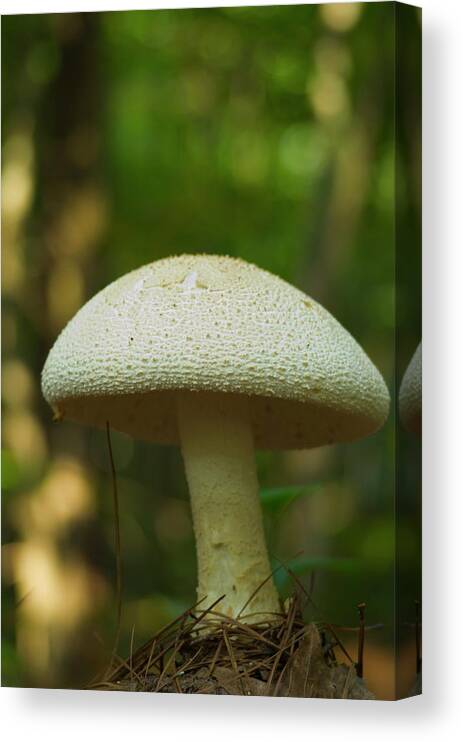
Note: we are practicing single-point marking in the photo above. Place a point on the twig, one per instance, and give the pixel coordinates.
(361, 640)
(117, 544)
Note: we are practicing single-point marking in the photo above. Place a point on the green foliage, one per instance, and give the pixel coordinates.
(304, 565)
(11, 472)
(274, 500)
(12, 672)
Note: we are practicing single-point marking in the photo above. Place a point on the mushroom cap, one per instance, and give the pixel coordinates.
(410, 394)
(208, 323)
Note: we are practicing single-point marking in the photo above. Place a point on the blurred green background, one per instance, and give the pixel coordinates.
(265, 133)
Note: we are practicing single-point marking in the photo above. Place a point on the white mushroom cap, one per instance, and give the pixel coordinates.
(410, 394)
(217, 324)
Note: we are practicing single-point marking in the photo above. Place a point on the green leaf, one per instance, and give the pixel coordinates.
(11, 472)
(305, 564)
(17, 475)
(275, 499)
(11, 666)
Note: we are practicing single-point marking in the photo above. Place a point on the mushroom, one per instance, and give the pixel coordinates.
(219, 357)
(410, 395)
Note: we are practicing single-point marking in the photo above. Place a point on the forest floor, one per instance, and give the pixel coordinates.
(203, 651)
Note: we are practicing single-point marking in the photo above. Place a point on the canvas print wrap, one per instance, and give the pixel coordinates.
(212, 351)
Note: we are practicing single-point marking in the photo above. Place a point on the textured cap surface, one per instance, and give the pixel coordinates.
(410, 394)
(218, 324)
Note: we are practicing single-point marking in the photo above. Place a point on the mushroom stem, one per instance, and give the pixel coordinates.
(218, 452)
